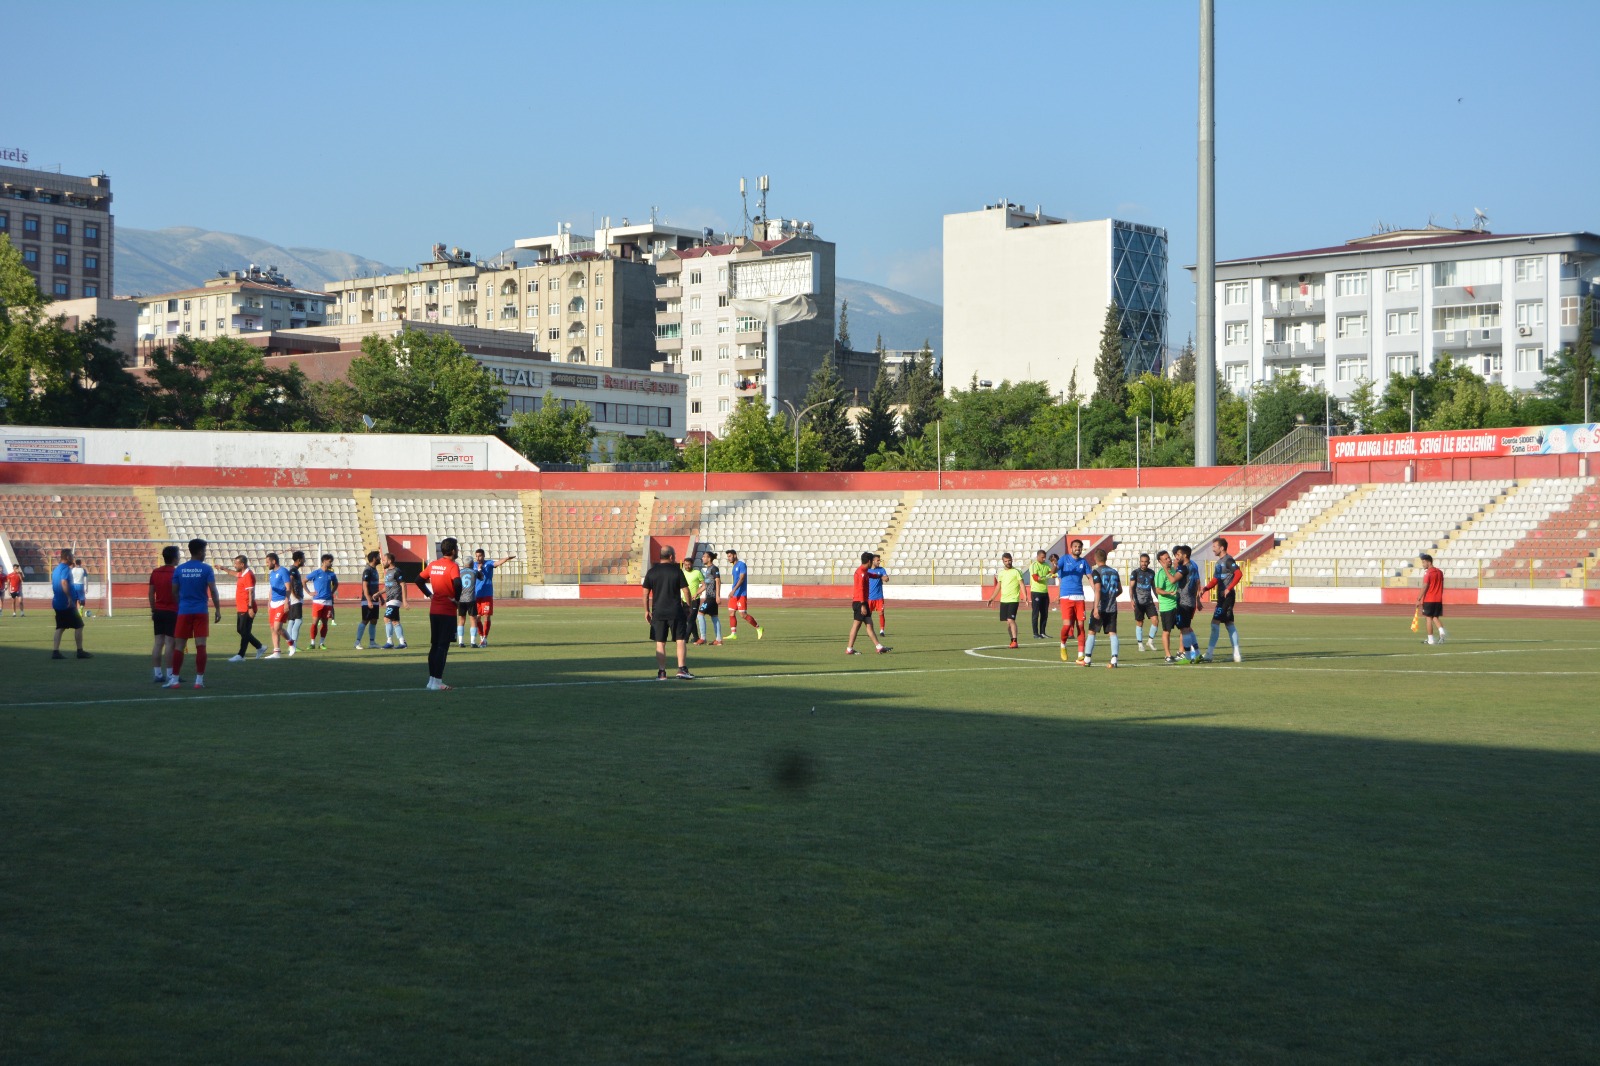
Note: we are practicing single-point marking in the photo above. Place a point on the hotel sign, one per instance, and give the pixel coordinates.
(669, 388)
(13, 155)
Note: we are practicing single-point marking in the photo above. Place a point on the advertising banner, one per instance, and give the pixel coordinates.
(450, 455)
(43, 449)
(1581, 439)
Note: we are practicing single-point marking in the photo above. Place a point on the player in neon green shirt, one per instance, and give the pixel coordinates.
(697, 582)
(1008, 586)
(1166, 601)
(1039, 575)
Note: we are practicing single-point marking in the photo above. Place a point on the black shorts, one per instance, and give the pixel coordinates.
(16, 595)
(68, 618)
(465, 610)
(1433, 610)
(164, 622)
(1106, 623)
(1183, 617)
(295, 613)
(1169, 621)
(1008, 611)
(391, 612)
(674, 628)
(1222, 613)
(368, 614)
(709, 608)
(1141, 611)
(860, 611)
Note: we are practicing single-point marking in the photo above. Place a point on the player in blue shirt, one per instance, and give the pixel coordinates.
(739, 596)
(65, 606)
(484, 591)
(1225, 578)
(1107, 587)
(277, 601)
(1071, 572)
(193, 583)
(324, 583)
(876, 576)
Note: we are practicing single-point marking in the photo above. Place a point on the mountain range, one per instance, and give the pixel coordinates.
(180, 257)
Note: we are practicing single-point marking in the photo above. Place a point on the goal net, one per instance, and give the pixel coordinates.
(129, 561)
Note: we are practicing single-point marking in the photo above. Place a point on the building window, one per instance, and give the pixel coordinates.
(1467, 272)
(1352, 284)
(722, 351)
(1238, 333)
(91, 289)
(92, 262)
(694, 407)
(599, 355)
(5, 222)
(722, 379)
(31, 256)
(91, 231)
(1236, 293)
(533, 310)
(554, 309)
(722, 404)
(1402, 365)
(1237, 374)
(30, 226)
(1490, 366)
(63, 229)
(1467, 316)
(533, 286)
(599, 279)
(600, 330)
(1400, 323)
(1530, 315)
(694, 277)
(60, 289)
(1530, 360)
(599, 303)
(555, 284)
(1352, 368)
(747, 324)
(722, 274)
(694, 303)
(63, 260)
(1400, 279)
(1352, 325)
(554, 333)
(722, 300)
(694, 381)
(1569, 311)
(1530, 269)
(694, 355)
(694, 329)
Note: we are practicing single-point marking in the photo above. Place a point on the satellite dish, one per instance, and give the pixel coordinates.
(366, 420)
(1480, 221)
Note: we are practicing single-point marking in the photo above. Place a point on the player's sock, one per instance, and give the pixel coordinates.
(399, 633)
(1114, 646)
(1064, 629)
(883, 621)
(1441, 634)
(177, 663)
(716, 625)
(1233, 636)
(1138, 634)
(200, 660)
(1088, 648)
(1216, 631)
(461, 633)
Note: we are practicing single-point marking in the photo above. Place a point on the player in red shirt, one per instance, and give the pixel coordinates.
(441, 583)
(1430, 601)
(163, 612)
(244, 604)
(860, 611)
(14, 590)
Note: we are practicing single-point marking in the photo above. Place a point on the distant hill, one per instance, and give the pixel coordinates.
(904, 321)
(163, 260)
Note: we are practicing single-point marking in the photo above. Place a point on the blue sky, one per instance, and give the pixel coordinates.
(379, 129)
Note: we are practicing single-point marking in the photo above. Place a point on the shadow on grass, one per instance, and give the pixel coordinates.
(651, 875)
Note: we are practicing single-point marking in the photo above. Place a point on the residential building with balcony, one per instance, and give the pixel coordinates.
(1025, 296)
(235, 303)
(63, 227)
(1393, 303)
(580, 306)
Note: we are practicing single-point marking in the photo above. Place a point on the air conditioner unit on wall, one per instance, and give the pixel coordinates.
(1524, 331)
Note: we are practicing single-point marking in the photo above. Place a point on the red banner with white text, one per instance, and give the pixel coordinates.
(1467, 443)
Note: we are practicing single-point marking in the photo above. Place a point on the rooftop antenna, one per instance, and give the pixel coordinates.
(763, 183)
(744, 202)
(1480, 221)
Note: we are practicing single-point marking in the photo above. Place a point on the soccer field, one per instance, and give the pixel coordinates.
(1349, 847)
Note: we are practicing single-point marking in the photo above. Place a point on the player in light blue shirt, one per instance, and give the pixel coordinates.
(876, 576)
(194, 583)
(483, 590)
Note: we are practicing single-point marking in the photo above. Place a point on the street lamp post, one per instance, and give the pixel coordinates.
(797, 416)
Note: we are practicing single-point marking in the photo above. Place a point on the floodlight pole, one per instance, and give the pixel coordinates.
(772, 370)
(797, 416)
(1205, 377)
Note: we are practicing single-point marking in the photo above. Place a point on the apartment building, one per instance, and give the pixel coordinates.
(583, 306)
(63, 227)
(234, 303)
(1392, 303)
(1025, 296)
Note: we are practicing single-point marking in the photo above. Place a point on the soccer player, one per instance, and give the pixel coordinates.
(666, 611)
(65, 606)
(1184, 589)
(739, 597)
(277, 601)
(1430, 601)
(1070, 574)
(1039, 574)
(1225, 577)
(858, 607)
(371, 607)
(394, 598)
(194, 582)
(713, 593)
(1192, 569)
(1103, 619)
(1007, 586)
(294, 614)
(1166, 585)
(324, 585)
(163, 612)
(875, 579)
(80, 588)
(697, 583)
(441, 582)
(1142, 582)
(466, 607)
(483, 589)
(19, 609)
(244, 605)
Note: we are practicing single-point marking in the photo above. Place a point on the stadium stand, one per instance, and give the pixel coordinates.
(798, 537)
(256, 523)
(963, 536)
(1378, 533)
(1548, 531)
(39, 525)
(488, 520)
(1307, 508)
(588, 537)
(1152, 517)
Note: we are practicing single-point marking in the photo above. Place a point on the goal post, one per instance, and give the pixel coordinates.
(130, 559)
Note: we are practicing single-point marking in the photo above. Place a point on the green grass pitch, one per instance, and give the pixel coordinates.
(1348, 848)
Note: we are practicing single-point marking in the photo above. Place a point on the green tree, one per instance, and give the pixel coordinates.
(1363, 405)
(1279, 405)
(1564, 381)
(654, 447)
(224, 383)
(1472, 403)
(922, 389)
(877, 425)
(913, 453)
(1185, 368)
(1110, 371)
(424, 383)
(830, 417)
(985, 429)
(554, 433)
(18, 292)
(753, 442)
(844, 327)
